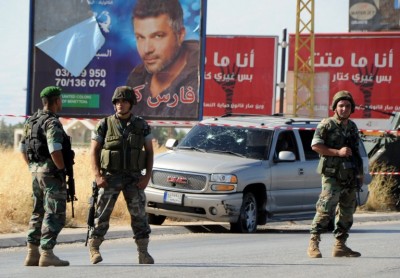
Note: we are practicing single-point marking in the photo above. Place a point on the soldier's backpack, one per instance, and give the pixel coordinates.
(36, 142)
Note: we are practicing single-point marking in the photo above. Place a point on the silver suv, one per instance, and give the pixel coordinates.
(245, 170)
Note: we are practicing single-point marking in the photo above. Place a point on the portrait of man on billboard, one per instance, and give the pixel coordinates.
(166, 81)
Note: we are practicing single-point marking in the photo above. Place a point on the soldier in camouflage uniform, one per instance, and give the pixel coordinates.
(43, 145)
(336, 140)
(121, 148)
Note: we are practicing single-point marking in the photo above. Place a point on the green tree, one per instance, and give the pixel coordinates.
(7, 133)
(161, 134)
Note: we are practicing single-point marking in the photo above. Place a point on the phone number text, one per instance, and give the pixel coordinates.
(96, 78)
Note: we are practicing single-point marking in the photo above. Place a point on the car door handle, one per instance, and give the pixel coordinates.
(301, 171)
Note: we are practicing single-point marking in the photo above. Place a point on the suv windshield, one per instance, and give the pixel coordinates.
(247, 142)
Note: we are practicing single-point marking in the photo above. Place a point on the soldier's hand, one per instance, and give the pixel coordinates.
(101, 182)
(143, 181)
(345, 152)
(62, 174)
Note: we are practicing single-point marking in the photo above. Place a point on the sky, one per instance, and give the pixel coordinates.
(224, 17)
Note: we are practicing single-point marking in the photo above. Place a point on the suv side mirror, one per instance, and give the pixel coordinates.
(286, 156)
(171, 143)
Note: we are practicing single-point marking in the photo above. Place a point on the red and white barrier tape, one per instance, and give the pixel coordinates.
(385, 173)
(13, 116)
(192, 123)
(151, 122)
(394, 132)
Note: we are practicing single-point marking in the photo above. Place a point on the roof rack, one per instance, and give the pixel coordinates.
(276, 117)
(242, 115)
(305, 121)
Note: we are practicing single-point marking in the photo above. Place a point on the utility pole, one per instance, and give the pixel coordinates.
(304, 58)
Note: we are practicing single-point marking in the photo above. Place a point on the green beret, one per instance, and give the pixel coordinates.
(50, 91)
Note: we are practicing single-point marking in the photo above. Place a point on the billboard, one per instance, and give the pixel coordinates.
(366, 64)
(240, 75)
(90, 47)
(374, 15)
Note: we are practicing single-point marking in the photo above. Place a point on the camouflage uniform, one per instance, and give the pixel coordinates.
(120, 180)
(49, 189)
(338, 183)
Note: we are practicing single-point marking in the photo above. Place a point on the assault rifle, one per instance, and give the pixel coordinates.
(69, 162)
(71, 191)
(355, 166)
(92, 210)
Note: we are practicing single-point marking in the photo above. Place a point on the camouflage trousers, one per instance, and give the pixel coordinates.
(135, 199)
(336, 201)
(49, 206)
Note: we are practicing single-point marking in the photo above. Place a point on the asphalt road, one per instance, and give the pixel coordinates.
(71, 235)
(209, 250)
(268, 253)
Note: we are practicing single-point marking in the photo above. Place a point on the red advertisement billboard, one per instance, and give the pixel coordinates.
(366, 64)
(240, 75)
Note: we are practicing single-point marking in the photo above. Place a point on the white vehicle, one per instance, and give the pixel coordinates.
(245, 170)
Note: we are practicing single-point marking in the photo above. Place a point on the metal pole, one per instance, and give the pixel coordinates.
(283, 70)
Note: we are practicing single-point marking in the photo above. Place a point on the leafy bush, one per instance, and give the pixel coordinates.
(381, 197)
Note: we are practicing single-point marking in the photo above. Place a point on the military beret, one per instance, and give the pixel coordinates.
(50, 91)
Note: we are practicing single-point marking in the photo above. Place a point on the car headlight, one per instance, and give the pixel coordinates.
(223, 182)
(228, 178)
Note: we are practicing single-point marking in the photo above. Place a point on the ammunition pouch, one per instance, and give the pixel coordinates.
(138, 160)
(335, 167)
(328, 166)
(37, 151)
(111, 160)
(346, 171)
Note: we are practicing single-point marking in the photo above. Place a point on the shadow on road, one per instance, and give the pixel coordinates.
(218, 229)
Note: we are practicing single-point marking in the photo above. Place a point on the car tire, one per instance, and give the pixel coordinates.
(155, 219)
(247, 222)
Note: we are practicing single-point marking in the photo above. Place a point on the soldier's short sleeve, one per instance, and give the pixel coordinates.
(147, 131)
(320, 133)
(54, 134)
(99, 132)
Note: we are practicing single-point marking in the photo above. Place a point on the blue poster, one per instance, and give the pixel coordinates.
(88, 48)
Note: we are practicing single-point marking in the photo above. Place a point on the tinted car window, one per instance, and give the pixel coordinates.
(286, 142)
(306, 138)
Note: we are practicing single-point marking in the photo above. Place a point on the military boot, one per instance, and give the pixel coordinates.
(49, 259)
(313, 247)
(94, 250)
(32, 259)
(341, 250)
(144, 256)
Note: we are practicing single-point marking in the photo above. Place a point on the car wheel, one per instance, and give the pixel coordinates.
(247, 222)
(155, 219)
